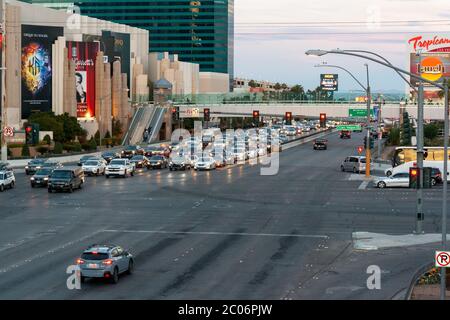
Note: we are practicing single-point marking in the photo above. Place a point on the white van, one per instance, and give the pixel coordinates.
(404, 168)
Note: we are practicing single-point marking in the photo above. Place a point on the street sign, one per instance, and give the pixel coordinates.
(442, 259)
(8, 132)
(359, 113)
(352, 127)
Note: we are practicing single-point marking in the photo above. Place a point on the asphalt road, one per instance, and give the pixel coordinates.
(227, 234)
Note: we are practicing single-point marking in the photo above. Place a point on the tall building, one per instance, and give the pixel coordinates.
(198, 31)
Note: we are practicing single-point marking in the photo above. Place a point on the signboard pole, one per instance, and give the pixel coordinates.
(3, 80)
(444, 197)
(419, 137)
(368, 155)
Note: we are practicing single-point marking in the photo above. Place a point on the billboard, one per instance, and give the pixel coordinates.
(435, 66)
(36, 69)
(84, 55)
(120, 50)
(329, 82)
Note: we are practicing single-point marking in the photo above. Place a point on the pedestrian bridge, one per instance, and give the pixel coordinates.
(334, 110)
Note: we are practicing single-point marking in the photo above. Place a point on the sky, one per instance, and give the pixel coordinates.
(272, 36)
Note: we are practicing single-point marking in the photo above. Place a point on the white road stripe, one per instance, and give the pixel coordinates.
(364, 185)
(212, 233)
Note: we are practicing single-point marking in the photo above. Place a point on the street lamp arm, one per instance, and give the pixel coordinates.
(389, 66)
(387, 61)
(342, 68)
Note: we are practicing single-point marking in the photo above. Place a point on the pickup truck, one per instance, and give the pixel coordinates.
(120, 167)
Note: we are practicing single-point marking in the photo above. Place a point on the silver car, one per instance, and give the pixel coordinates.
(105, 261)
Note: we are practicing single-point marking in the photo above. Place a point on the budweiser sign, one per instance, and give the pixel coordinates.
(435, 44)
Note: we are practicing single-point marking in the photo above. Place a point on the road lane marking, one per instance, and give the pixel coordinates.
(364, 185)
(46, 253)
(213, 233)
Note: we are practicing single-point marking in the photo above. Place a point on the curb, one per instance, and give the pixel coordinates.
(415, 277)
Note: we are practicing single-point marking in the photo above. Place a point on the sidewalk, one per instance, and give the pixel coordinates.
(428, 292)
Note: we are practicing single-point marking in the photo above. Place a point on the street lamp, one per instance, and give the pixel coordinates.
(367, 90)
(421, 80)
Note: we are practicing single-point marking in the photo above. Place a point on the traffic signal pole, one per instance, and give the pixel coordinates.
(419, 137)
(368, 153)
(3, 84)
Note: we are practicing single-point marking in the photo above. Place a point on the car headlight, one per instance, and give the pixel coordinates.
(45, 179)
(32, 179)
(27, 167)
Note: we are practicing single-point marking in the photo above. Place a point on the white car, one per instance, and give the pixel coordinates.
(239, 154)
(205, 163)
(94, 167)
(397, 180)
(7, 180)
(120, 167)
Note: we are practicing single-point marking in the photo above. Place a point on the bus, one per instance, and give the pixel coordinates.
(407, 154)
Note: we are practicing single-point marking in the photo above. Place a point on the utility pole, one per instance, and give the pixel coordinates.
(368, 154)
(444, 197)
(380, 135)
(3, 85)
(419, 137)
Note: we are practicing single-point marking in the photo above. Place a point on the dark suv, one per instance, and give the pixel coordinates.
(436, 176)
(66, 179)
(345, 134)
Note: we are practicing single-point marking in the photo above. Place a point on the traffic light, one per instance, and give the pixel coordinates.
(427, 179)
(29, 134)
(288, 118)
(360, 149)
(323, 120)
(175, 114)
(256, 117)
(413, 178)
(371, 143)
(406, 134)
(206, 114)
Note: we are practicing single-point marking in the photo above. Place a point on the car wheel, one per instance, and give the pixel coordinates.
(33, 185)
(50, 190)
(354, 170)
(2, 188)
(126, 174)
(107, 176)
(433, 181)
(82, 279)
(388, 173)
(170, 169)
(11, 186)
(115, 276)
(132, 173)
(342, 168)
(381, 185)
(80, 186)
(130, 267)
(70, 189)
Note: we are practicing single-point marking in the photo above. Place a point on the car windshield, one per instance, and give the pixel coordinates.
(44, 172)
(130, 148)
(37, 161)
(91, 163)
(94, 256)
(157, 158)
(61, 174)
(118, 162)
(137, 158)
(84, 158)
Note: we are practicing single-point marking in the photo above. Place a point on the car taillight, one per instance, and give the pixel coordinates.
(108, 262)
(80, 261)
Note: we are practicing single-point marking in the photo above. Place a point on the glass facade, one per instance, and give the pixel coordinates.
(198, 31)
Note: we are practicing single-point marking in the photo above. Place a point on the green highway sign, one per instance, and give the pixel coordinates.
(359, 113)
(352, 127)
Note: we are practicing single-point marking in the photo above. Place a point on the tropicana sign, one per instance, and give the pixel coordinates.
(435, 44)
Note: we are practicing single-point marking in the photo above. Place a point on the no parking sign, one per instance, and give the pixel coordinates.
(442, 259)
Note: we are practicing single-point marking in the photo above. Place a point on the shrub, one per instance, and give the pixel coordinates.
(77, 147)
(93, 144)
(430, 131)
(42, 149)
(25, 151)
(47, 139)
(58, 149)
(394, 137)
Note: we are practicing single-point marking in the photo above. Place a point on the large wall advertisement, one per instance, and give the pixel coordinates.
(36, 68)
(121, 50)
(84, 55)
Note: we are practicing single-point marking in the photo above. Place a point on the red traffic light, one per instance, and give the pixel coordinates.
(174, 110)
(323, 116)
(360, 149)
(28, 129)
(255, 114)
(414, 172)
(288, 115)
